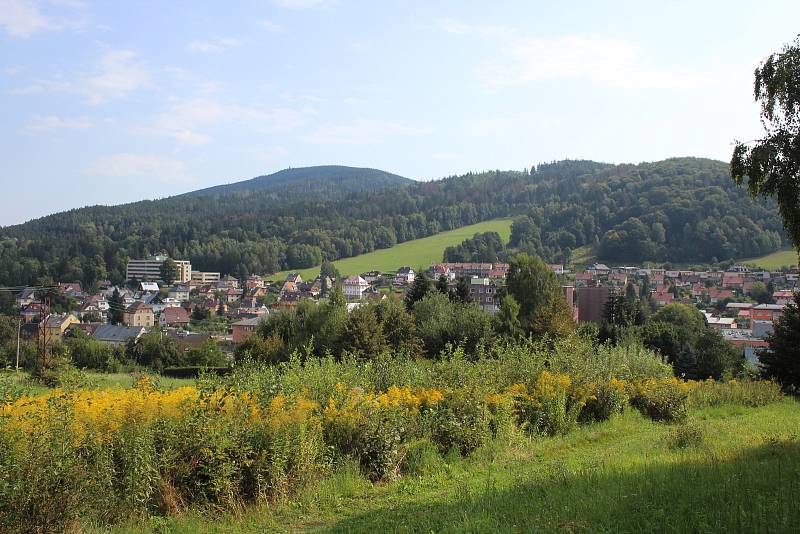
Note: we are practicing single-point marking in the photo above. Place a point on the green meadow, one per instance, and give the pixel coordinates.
(728, 469)
(776, 260)
(419, 252)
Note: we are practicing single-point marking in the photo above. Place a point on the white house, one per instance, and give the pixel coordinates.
(354, 287)
(404, 276)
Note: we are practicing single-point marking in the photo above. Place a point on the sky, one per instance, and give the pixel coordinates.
(112, 102)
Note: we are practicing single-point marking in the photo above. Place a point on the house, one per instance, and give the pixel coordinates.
(254, 282)
(483, 292)
(26, 297)
(173, 317)
(732, 280)
(245, 328)
(599, 269)
(371, 276)
(139, 314)
(233, 295)
(295, 278)
(583, 279)
(31, 312)
(354, 287)
(783, 298)
(230, 282)
(148, 287)
(766, 312)
(592, 304)
(556, 268)
(150, 269)
(180, 292)
(117, 334)
(57, 325)
(662, 299)
(718, 295)
(438, 269)
(404, 276)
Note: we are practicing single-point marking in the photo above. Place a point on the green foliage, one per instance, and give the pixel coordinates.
(420, 287)
(780, 361)
(116, 308)
(168, 271)
(487, 247)
(663, 400)
(770, 165)
(542, 306)
(567, 205)
(154, 350)
(687, 434)
(363, 334)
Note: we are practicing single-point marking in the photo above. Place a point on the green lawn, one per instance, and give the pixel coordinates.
(776, 260)
(414, 253)
(740, 473)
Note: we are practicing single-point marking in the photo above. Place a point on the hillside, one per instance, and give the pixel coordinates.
(423, 251)
(304, 180)
(683, 209)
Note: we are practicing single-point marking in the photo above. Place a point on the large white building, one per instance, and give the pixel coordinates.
(150, 269)
(353, 287)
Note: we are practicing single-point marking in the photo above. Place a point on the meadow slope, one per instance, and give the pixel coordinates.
(419, 252)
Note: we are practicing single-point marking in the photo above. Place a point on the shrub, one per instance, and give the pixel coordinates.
(552, 405)
(608, 398)
(461, 421)
(661, 400)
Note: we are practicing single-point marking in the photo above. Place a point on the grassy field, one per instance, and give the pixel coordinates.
(729, 469)
(411, 253)
(776, 260)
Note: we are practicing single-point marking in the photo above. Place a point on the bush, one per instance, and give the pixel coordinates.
(462, 422)
(552, 404)
(661, 400)
(607, 399)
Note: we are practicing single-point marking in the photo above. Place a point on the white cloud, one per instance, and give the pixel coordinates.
(602, 60)
(51, 123)
(119, 72)
(23, 18)
(183, 120)
(20, 18)
(302, 4)
(215, 46)
(270, 26)
(361, 132)
(147, 167)
(523, 59)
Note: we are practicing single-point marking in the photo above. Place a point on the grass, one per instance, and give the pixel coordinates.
(775, 261)
(419, 252)
(624, 475)
(98, 380)
(583, 256)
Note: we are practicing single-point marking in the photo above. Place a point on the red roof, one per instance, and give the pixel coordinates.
(175, 315)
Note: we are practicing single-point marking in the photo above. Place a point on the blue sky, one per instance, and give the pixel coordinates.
(111, 102)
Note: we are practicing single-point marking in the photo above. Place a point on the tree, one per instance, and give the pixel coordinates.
(781, 360)
(441, 285)
(771, 165)
(200, 313)
(116, 308)
(329, 270)
(760, 293)
(507, 318)
(168, 271)
(461, 293)
(363, 334)
(543, 308)
(419, 288)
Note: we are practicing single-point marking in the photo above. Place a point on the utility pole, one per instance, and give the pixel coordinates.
(19, 327)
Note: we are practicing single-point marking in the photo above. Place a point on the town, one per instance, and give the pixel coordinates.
(195, 307)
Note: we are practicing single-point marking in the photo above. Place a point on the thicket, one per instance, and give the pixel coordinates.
(266, 431)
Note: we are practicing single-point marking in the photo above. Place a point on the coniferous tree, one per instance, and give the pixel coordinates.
(116, 308)
(441, 285)
(462, 291)
(781, 360)
(419, 288)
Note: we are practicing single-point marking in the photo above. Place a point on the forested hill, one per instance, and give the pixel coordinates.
(327, 179)
(685, 210)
